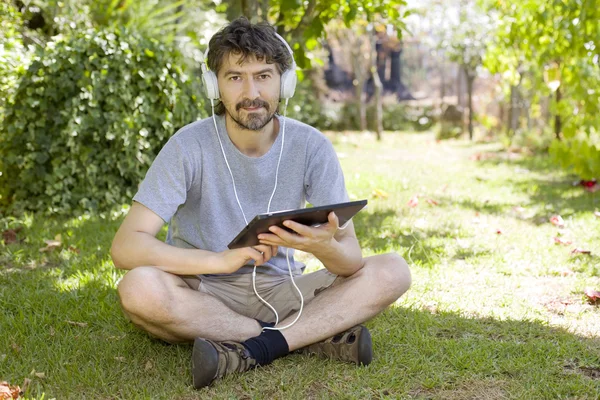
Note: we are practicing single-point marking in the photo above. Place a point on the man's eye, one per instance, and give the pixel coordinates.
(264, 76)
(235, 78)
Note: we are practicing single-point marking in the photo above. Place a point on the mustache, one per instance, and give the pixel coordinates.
(252, 104)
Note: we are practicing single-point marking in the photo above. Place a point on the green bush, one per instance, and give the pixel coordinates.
(580, 155)
(14, 56)
(396, 117)
(88, 118)
(307, 107)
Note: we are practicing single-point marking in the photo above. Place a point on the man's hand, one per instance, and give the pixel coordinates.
(229, 261)
(304, 238)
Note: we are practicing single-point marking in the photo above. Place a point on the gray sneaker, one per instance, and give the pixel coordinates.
(213, 360)
(353, 345)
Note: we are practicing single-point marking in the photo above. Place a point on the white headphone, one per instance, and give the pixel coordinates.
(288, 77)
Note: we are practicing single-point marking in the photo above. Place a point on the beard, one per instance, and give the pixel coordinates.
(252, 121)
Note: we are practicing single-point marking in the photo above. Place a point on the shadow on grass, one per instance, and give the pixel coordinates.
(378, 231)
(556, 195)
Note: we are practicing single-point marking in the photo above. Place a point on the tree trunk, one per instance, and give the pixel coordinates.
(375, 68)
(470, 80)
(442, 83)
(557, 121)
(459, 86)
(359, 83)
(513, 111)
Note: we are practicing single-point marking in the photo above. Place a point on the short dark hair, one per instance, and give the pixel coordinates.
(241, 37)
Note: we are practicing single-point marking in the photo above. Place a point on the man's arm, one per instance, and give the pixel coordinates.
(135, 244)
(337, 249)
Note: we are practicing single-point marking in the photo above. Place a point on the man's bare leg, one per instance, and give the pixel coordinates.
(358, 298)
(165, 306)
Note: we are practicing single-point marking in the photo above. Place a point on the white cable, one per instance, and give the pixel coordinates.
(226, 162)
(299, 292)
(280, 153)
(287, 256)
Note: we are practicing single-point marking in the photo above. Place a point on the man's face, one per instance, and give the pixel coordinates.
(249, 92)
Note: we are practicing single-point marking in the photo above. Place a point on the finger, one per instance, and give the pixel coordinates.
(285, 236)
(270, 239)
(265, 251)
(256, 254)
(334, 222)
(274, 250)
(298, 228)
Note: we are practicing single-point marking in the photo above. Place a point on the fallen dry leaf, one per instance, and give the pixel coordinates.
(593, 295)
(50, 245)
(9, 392)
(580, 251)
(122, 359)
(74, 249)
(40, 375)
(558, 240)
(378, 193)
(591, 186)
(80, 324)
(557, 220)
(413, 202)
(148, 366)
(10, 235)
(566, 272)
(26, 383)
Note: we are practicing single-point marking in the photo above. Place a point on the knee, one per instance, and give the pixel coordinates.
(393, 275)
(142, 292)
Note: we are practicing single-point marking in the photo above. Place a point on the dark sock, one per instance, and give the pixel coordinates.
(267, 346)
(265, 324)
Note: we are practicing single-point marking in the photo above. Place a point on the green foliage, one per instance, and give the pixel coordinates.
(303, 23)
(88, 118)
(14, 56)
(557, 43)
(307, 107)
(580, 155)
(396, 117)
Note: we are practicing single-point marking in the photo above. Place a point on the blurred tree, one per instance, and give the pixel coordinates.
(466, 46)
(558, 42)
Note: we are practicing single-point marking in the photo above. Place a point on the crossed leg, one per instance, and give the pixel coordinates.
(165, 306)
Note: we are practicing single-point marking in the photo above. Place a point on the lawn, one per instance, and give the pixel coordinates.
(497, 310)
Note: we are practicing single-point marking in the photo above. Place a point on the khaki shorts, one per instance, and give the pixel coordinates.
(236, 292)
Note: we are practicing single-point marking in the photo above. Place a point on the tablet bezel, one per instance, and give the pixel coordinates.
(306, 216)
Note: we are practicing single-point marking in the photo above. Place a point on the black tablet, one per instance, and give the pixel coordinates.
(306, 216)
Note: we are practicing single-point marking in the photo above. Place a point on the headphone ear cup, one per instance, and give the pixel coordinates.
(288, 83)
(211, 85)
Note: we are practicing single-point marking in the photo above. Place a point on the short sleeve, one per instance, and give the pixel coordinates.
(324, 180)
(167, 181)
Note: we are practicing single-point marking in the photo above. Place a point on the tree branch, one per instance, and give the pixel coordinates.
(305, 21)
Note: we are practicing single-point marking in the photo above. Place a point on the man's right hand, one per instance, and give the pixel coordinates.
(229, 261)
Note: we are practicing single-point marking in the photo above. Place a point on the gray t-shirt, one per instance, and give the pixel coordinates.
(188, 184)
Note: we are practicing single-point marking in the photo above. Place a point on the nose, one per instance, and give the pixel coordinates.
(250, 89)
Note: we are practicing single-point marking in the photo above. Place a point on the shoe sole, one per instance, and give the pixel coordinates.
(365, 347)
(205, 361)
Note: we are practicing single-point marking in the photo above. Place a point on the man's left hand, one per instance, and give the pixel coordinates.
(305, 238)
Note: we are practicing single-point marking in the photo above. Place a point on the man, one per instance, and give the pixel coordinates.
(208, 180)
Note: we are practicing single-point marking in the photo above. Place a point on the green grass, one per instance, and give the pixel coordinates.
(489, 316)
